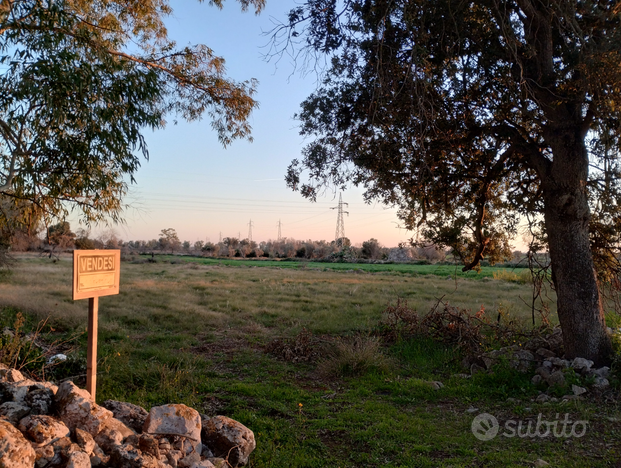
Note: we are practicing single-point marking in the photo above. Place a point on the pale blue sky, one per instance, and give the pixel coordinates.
(194, 185)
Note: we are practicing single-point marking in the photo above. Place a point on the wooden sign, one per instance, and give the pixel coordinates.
(95, 273)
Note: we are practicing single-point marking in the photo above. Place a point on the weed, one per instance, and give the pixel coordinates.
(302, 348)
(354, 356)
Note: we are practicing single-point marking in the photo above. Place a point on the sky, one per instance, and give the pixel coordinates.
(203, 191)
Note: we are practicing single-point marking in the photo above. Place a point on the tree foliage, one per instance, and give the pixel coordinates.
(80, 80)
(470, 115)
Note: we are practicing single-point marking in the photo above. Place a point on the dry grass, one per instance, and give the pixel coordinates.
(262, 302)
(354, 356)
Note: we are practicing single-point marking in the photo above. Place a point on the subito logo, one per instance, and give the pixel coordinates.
(484, 426)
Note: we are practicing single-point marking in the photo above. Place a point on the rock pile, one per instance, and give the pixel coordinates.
(541, 354)
(47, 426)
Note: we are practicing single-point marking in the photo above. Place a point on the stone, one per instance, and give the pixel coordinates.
(112, 433)
(76, 408)
(581, 365)
(11, 375)
(132, 416)
(462, 376)
(149, 444)
(545, 353)
(522, 360)
(539, 463)
(189, 460)
(556, 378)
(40, 400)
(219, 462)
(536, 380)
(577, 390)
(547, 364)
(14, 391)
(79, 459)
(475, 369)
(601, 383)
(13, 412)
(230, 438)
(603, 372)
(173, 457)
(44, 455)
(15, 450)
(175, 419)
(128, 456)
(543, 371)
(208, 464)
(436, 385)
(561, 363)
(542, 398)
(43, 429)
(85, 441)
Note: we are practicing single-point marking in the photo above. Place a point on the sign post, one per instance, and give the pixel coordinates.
(95, 273)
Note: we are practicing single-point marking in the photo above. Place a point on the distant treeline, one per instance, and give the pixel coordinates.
(60, 237)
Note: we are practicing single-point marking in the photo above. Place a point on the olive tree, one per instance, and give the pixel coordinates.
(470, 116)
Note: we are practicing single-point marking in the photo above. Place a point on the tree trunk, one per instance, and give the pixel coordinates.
(567, 217)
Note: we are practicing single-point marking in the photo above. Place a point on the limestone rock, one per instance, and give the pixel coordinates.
(112, 433)
(149, 444)
(43, 429)
(601, 383)
(44, 455)
(77, 409)
(545, 353)
(85, 441)
(40, 400)
(13, 412)
(15, 450)
(11, 375)
(131, 415)
(581, 365)
(229, 438)
(603, 372)
(577, 390)
(127, 456)
(79, 459)
(556, 378)
(174, 420)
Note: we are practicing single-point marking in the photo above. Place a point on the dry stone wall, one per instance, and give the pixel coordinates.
(43, 425)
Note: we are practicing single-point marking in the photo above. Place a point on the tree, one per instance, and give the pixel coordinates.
(470, 115)
(61, 235)
(169, 240)
(82, 80)
(371, 249)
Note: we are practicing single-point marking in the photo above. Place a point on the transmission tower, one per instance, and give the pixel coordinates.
(220, 241)
(250, 231)
(340, 224)
(279, 232)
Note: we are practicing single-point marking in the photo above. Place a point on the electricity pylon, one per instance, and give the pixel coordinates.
(340, 224)
(250, 231)
(279, 232)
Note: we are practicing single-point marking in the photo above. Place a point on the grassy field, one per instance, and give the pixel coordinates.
(196, 332)
(444, 270)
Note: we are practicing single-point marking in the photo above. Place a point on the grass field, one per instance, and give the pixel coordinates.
(196, 331)
(393, 268)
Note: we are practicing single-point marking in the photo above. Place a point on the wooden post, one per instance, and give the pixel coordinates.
(91, 353)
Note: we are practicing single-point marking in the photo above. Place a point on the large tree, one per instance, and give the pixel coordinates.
(80, 80)
(470, 115)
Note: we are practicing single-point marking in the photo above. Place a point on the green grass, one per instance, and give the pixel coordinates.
(196, 334)
(392, 268)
